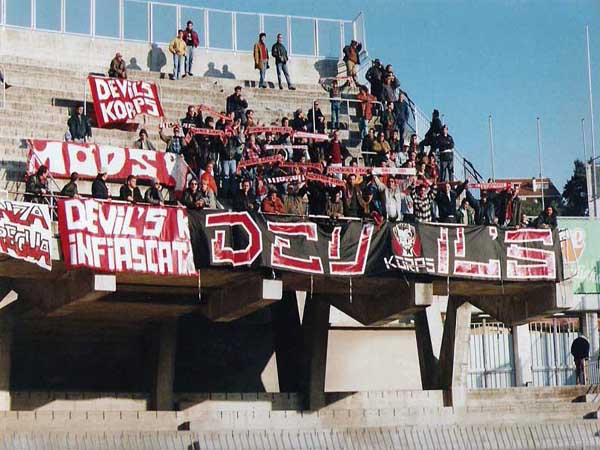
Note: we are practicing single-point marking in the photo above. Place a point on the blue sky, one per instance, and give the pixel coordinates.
(513, 59)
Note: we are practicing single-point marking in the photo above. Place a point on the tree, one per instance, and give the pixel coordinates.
(574, 196)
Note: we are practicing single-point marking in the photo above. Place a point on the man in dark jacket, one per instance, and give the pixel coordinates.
(79, 126)
(237, 105)
(191, 40)
(70, 189)
(130, 192)
(445, 144)
(580, 349)
(485, 210)
(435, 129)
(402, 110)
(245, 200)
(446, 202)
(317, 197)
(117, 67)
(375, 76)
(154, 194)
(37, 186)
(280, 54)
(99, 188)
(192, 119)
(546, 219)
(319, 119)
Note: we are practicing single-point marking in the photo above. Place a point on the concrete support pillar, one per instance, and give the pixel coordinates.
(589, 327)
(522, 355)
(315, 328)
(428, 331)
(164, 376)
(454, 356)
(6, 336)
(288, 342)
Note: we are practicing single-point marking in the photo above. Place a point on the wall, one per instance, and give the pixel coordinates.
(95, 54)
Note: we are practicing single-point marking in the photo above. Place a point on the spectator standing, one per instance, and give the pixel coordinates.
(388, 92)
(316, 119)
(117, 67)
(465, 214)
(375, 76)
(37, 186)
(130, 192)
(352, 59)
(485, 211)
(546, 219)
(154, 194)
(143, 143)
(382, 148)
(175, 143)
(207, 195)
(79, 126)
(423, 198)
(580, 349)
(280, 54)
(509, 207)
(435, 129)
(336, 152)
(366, 110)
(394, 198)
(70, 189)
(388, 120)
(366, 147)
(191, 197)
(335, 93)
(445, 144)
(237, 105)
(192, 119)
(293, 202)
(190, 37)
(446, 202)
(178, 49)
(245, 200)
(272, 204)
(402, 115)
(261, 59)
(99, 187)
(228, 161)
(354, 204)
(334, 205)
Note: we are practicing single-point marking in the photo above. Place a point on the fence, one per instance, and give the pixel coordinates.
(491, 357)
(157, 23)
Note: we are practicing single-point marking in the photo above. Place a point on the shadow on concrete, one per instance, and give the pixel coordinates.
(216, 73)
(156, 59)
(327, 68)
(133, 65)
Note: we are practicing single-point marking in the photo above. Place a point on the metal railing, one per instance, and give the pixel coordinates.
(158, 22)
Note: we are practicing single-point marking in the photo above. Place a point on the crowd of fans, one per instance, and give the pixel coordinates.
(236, 161)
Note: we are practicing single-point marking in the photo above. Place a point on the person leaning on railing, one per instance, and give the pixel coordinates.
(36, 186)
(153, 194)
(143, 143)
(130, 192)
(99, 187)
(70, 189)
(547, 219)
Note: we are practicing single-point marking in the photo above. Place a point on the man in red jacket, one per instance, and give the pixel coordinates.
(191, 40)
(272, 204)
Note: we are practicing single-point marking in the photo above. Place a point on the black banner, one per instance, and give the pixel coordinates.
(241, 239)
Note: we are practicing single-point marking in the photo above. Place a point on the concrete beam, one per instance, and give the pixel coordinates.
(532, 304)
(231, 303)
(384, 305)
(428, 331)
(522, 352)
(64, 295)
(454, 356)
(165, 344)
(315, 329)
(589, 327)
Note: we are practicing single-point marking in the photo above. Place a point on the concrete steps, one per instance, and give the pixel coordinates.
(527, 395)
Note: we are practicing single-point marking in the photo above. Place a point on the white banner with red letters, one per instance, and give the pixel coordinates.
(87, 160)
(120, 237)
(25, 232)
(117, 100)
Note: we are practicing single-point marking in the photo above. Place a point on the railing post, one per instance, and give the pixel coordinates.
(84, 94)
(33, 14)
(63, 16)
(178, 23)
(121, 19)
(206, 30)
(261, 23)
(316, 38)
(234, 31)
(342, 36)
(93, 18)
(150, 31)
(2, 12)
(288, 25)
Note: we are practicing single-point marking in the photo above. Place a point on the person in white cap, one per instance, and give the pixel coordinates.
(117, 67)
(99, 187)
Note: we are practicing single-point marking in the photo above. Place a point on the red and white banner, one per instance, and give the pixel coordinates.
(213, 113)
(284, 179)
(285, 147)
(117, 100)
(266, 161)
(325, 179)
(496, 186)
(374, 170)
(87, 160)
(25, 232)
(316, 167)
(119, 237)
(273, 130)
(315, 136)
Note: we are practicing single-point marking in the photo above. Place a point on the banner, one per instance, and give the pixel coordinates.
(117, 100)
(302, 166)
(581, 252)
(213, 113)
(306, 135)
(266, 161)
(62, 158)
(408, 171)
(492, 186)
(284, 179)
(354, 248)
(329, 181)
(25, 232)
(272, 130)
(118, 237)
